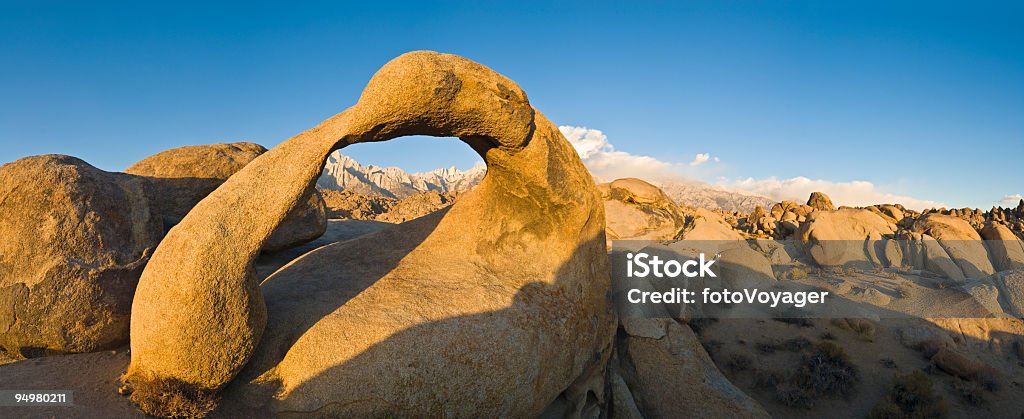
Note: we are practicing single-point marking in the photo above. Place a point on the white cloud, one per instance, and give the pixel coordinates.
(701, 158)
(607, 163)
(853, 193)
(1011, 200)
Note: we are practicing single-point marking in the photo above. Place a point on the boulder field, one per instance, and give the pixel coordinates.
(70, 287)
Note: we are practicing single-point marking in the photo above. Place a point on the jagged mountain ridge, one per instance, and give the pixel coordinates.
(344, 173)
(702, 195)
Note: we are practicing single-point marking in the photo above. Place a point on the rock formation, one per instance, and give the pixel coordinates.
(960, 241)
(507, 286)
(354, 206)
(75, 241)
(637, 210)
(183, 176)
(820, 201)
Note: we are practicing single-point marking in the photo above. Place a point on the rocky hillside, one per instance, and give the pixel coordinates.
(702, 195)
(344, 173)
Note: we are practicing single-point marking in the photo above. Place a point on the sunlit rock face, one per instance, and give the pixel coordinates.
(508, 286)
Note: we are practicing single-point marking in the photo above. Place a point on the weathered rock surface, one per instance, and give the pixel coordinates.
(960, 241)
(842, 237)
(671, 375)
(183, 176)
(75, 241)
(1005, 249)
(637, 210)
(820, 201)
(507, 286)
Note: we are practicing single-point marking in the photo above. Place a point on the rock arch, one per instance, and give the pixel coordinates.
(533, 233)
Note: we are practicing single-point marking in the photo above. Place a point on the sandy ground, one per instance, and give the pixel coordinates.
(877, 357)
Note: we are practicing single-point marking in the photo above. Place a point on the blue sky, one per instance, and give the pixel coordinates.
(922, 101)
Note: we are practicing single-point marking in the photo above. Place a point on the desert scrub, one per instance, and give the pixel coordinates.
(739, 362)
(826, 372)
(903, 291)
(911, 396)
(797, 274)
(796, 344)
(169, 398)
(968, 391)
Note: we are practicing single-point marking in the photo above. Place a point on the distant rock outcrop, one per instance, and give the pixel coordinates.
(75, 239)
(820, 201)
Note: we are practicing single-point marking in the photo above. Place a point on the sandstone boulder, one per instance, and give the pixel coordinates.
(820, 201)
(509, 285)
(961, 242)
(75, 241)
(709, 226)
(637, 210)
(183, 176)
(1006, 250)
(842, 237)
(671, 375)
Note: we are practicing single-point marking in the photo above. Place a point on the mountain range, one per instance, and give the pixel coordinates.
(344, 173)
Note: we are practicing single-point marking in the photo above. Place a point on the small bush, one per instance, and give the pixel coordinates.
(765, 347)
(168, 398)
(827, 372)
(796, 344)
(797, 274)
(739, 362)
(969, 391)
(767, 379)
(698, 324)
(827, 336)
(911, 396)
(903, 291)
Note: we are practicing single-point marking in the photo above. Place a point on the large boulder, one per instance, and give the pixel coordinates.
(844, 237)
(960, 241)
(509, 285)
(183, 176)
(1006, 250)
(671, 375)
(820, 201)
(75, 241)
(637, 210)
(707, 225)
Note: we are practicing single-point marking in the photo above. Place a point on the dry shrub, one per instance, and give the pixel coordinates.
(698, 324)
(797, 274)
(739, 362)
(863, 327)
(796, 344)
(903, 291)
(911, 396)
(969, 391)
(170, 398)
(766, 379)
(826, 372)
